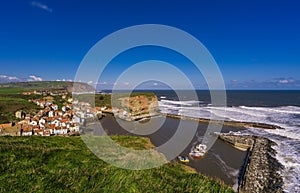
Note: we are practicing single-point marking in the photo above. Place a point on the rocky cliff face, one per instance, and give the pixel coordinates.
(139, 106)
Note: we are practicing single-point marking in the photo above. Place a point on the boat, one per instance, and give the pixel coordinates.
(201, 148)
(198, 151)
(195, 154)
(183, 159)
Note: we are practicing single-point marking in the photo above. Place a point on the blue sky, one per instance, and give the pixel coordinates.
(255, 43)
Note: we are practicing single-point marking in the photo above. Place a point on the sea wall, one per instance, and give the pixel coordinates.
(260, 172)
(261, 169)
(227, 123)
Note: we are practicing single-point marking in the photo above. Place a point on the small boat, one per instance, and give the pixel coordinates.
(195, 154)
(199, 151)
(201, 148)
(183, 159)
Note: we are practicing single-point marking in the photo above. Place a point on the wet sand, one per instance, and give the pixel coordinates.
(222, 161)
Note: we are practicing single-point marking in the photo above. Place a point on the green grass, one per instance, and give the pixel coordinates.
(102, 100)
(11, 90)
(58, 164)
(10, 103)
(19, 87)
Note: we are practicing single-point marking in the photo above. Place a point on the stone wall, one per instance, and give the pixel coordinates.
(226, 122)
(261, 169)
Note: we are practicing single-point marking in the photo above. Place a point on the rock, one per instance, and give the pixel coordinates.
(261, 171)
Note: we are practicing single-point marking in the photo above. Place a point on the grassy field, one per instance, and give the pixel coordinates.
(19, 87)
(10, 103)
(12, 99)
(64, 164)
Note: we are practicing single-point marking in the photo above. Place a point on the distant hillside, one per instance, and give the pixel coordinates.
(65, 164)
(19, 87)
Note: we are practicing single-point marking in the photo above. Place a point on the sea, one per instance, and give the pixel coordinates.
(281, 108)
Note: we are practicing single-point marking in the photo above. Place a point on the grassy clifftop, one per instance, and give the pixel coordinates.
(58, 164)
(19, 87)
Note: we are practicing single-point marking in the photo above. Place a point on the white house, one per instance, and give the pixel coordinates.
(56, 122)
(60, 130)
(74, 128)
(27, 133)
(54, 107)
(47, 104)
(42, 121)
(33, 123)
(50, 114)
(46, 132)
(38, 132)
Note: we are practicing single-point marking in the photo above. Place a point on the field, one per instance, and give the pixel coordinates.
(19, 87)
(64, 164)
(10, 103)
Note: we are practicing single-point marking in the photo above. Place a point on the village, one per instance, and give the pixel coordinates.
(52, 119)
(59, 113)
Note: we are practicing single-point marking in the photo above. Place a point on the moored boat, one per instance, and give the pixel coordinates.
(199, 151)
(195, 154)
(183, 159)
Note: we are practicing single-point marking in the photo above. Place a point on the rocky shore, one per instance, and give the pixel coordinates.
(261, 171)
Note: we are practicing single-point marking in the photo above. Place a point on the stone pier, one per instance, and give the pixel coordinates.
(260, 172)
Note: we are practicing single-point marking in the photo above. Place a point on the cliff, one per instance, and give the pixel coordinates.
(137, 106)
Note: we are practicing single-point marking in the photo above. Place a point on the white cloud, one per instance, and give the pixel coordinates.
(34, 78)
(9, 78)
(284, 81)
(64, 80)
(41, 6)
(274, 83)
(90, 82)
(155, 83)
(13, 78)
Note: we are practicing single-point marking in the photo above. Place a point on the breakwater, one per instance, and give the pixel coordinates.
(260, 172)
(226, 122)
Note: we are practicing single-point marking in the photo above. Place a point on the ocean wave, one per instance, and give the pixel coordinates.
(285, 109)
(185, 103)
